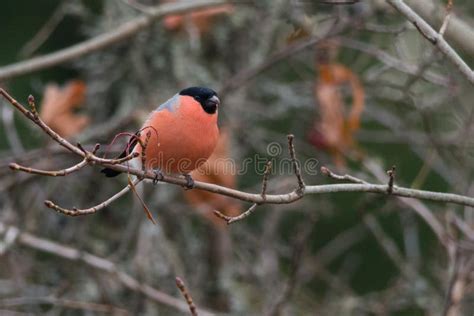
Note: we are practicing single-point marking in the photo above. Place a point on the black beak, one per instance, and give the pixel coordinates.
(212, 104)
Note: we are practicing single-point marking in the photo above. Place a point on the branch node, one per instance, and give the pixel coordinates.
(96, 148)
(222, 216)
(391, 174)
(31, 102)
(14, 166)
(325, 171)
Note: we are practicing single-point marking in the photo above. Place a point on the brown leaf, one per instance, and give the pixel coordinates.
(335, 129)
(202, 20)
(59, 104)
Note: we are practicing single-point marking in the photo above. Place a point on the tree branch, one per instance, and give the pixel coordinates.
(79, 212)
(434, 37)
(189, 300)
(459, 32)
(97, 43)
(98, 263)
(255, 198)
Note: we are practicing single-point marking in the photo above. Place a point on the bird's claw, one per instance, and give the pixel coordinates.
(158, 176)
(189, 182)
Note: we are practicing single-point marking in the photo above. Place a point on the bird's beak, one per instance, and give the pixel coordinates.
(215, 100)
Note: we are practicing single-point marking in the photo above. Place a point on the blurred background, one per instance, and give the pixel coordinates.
(357, 85)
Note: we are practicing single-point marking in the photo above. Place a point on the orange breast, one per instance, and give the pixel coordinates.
(181, 139)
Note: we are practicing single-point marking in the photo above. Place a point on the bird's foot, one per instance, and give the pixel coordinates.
(158, 176)
(189, 182)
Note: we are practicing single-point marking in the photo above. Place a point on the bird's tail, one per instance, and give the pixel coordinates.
(109, 173)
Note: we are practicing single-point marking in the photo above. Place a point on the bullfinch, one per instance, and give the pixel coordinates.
(182, 134)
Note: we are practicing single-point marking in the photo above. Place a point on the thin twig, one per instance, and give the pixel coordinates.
(444, 26)
(72, 169)
(52, 173)
(266, 173)
(45, 31)
(67, 303)
(189, 300)
(290, 197)
(101, 264)
(299, 249)
(246, 75)
(251, 209)
(232, 219)
(296, 165)
(80, 212)
(325, 171)
(394, 62)
(114, 161)
(434, 37)
(148, 214)
(103, 41)
(461, 266)
(285, 198)
(389, 246)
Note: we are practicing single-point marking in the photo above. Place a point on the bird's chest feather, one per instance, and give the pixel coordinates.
(180, 140)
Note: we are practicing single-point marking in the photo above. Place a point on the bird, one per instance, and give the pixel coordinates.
(182, 134)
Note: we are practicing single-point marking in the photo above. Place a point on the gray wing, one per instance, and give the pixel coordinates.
(170, 105)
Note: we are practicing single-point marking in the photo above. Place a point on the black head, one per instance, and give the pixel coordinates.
(205, 96)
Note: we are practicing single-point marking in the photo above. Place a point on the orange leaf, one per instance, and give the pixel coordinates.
(59, 105)
(202, 20)
(335, 129)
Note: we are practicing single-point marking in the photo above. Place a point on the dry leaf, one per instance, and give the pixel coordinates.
(216, 170)
(335, 129)
(202, 20)
(59, 105)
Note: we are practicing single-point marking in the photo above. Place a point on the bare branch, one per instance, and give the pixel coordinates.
(394, 62)
(296, 166)
(346, 177)
(101, 264)
(94, 209)
(67, 303)
(461, 265)
(434, 37)
(232, 219)
(266, 173)
(444, 26)
(251, 209)
(103, 41)
(256, 199)
(459, 31)
(189, 300)
(53, 173)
